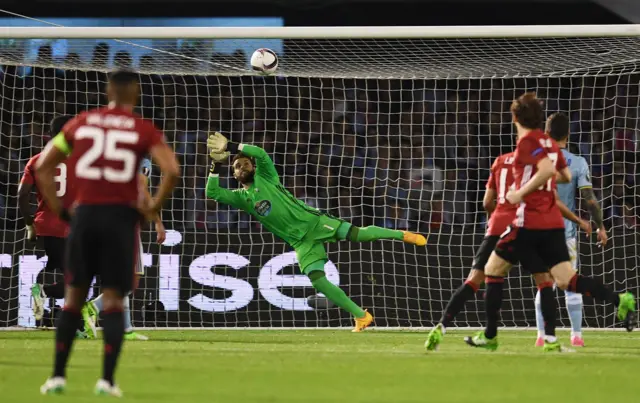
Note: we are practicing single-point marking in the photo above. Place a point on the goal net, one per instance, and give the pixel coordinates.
(395, 127)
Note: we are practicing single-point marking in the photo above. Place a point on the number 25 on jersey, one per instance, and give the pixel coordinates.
(105, 146)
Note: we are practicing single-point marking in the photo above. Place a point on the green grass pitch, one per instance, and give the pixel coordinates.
(329, 366)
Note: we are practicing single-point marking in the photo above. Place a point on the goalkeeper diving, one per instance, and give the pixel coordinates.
(304, 228)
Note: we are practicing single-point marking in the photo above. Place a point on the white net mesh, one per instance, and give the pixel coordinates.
(395, 133)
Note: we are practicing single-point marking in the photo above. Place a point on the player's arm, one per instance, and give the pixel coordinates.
(214, 191)
(571, 216)
(546, 170)
(54, 153)
(530, 152)
(489, 201)
(563, 176)
(587, 194)
(264, 165)
(24, 193)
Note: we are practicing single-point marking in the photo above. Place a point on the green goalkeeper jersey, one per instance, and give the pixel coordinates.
(267, 200)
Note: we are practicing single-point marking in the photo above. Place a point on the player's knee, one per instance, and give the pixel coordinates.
(112, 300)
(542, 279)
(315, 275)
(496, 266)
(74, 297)
(562, 283)
(476, 277)
(562, 274)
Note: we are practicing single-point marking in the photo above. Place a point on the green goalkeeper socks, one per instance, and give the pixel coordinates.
(334, 293)
(372, 233)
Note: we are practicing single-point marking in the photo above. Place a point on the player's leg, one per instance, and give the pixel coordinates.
(466, 291)
(79, 275)
(129, 333)
(568, 279)
(121, 246)
(346, 231)
(54, 249)
(505, 255)
(573, 301)
(312, 257)
(548, 309)
(90, 312)
(539, 320)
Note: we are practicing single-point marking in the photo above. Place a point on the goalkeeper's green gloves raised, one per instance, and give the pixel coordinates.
(217, 158)
(217, 143)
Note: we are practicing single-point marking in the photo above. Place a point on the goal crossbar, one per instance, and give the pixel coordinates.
(370, 32)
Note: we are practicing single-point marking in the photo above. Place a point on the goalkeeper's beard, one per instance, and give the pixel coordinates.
(246, 178)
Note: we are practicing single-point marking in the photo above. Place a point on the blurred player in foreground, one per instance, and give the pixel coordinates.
(305, 228)
(536, 237)
(46, 226)
(92, 309)
(558, 129)
(105, 146)
(501, 214)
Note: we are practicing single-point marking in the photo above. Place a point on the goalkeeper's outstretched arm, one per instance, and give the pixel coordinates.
(264, 165)
(220, 194)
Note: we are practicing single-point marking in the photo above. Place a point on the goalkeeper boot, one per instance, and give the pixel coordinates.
(131, 335)
(363, 322)
(481, 341)
(413, 238)
(38, 296)
(627, 310)
(54, 386)
(90, 317)
(434, 338)
(104, 388)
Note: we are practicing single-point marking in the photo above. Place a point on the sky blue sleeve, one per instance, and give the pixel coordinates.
(145, 167)
(584, 177)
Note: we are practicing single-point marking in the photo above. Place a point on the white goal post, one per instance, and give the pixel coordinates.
(389, 126)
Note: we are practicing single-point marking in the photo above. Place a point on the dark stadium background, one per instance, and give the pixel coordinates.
(451, 249)
(338, 12)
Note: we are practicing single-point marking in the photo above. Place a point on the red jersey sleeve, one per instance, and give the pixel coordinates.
(529, 151)
(29, 175)
(491, 182)
(70, 128)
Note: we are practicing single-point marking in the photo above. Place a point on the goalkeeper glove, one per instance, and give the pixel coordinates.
(217, 158)
(31, 233)
(217, 143)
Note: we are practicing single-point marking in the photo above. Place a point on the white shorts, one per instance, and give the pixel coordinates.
(139, 265)
(572, 246)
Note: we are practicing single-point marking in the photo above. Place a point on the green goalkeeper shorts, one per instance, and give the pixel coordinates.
(311, 249)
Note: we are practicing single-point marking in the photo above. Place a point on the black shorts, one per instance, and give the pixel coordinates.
(536, 250)
(103, 241)
(484, 251)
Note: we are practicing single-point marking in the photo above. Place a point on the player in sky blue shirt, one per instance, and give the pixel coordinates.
(580, 180)
(558, 129)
